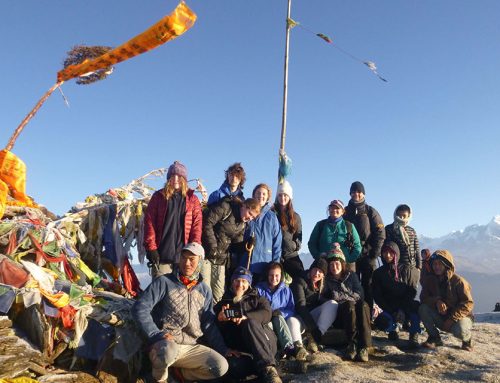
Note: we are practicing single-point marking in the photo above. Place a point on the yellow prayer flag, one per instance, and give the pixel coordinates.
(168, 28)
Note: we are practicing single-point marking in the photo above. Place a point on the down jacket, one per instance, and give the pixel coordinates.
(453, 290)
(346, 289)
(306, 299)
(156, 212)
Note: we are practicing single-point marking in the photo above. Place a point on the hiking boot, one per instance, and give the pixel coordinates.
(311, 344)
(413, 341)
(432, 342)
(363, 355)
(467, 346)
(270, 375)
(393, 336)
(350, 352)
(300, 351)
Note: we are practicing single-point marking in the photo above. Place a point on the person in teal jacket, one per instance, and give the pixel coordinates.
(335, 229)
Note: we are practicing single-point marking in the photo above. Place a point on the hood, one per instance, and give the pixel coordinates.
(394, 248)
(446, 257)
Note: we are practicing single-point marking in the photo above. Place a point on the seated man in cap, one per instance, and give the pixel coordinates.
(243, 318)
(174, 312)
(446, 302)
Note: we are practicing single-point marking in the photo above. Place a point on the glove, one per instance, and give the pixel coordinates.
(153, 256)
(276, 313)
(316, 334)
(250, 242)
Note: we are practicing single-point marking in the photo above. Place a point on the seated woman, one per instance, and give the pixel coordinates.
(353, 315)
(394, 291)
(284, 322)
(243, 317)
(316, 313)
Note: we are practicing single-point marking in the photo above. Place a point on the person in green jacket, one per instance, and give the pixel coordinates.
(335, 229)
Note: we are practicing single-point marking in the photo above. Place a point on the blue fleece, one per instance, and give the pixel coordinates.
(281, 299)
(223, 191)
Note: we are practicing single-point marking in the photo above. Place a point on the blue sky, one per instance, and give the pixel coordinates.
(429, 137)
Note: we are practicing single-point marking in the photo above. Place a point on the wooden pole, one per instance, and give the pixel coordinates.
(285, 80)
(30, 115)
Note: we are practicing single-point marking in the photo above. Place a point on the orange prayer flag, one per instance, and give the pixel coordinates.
(13, 175)
(168, 28)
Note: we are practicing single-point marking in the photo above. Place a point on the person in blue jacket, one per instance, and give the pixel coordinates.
(285, 323)
(232, 186)
(173, 313)
(266, 234)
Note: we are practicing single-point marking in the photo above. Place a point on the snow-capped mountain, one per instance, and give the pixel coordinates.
(475, 248)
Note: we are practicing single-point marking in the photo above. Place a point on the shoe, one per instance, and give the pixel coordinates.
(413, 341)
(270, 375)
(363, 355)
(393, 335)
(288, 352)
(467, 346)
(300, 351)
(311, 344)
(432, 342)
(350, 352)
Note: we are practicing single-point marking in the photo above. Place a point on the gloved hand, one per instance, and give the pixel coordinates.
(250, 242)
(276, 313)
(153, 256)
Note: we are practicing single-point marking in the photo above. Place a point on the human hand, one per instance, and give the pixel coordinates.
(234, 353)
(239, 320)
(221, 317)
(441, 307)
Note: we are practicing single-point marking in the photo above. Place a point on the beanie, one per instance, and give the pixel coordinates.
(357, 187)
(177, 168)
(336, 253)
(242, 273)
(321, 264)
(285, 188)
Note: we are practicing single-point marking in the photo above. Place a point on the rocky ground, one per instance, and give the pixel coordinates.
(388, 361)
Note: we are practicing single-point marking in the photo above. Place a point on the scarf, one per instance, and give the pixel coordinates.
(334, 221)
(399, 228)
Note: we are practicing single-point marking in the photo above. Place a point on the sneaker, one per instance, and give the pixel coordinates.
(363, 355)
(350, 352)
(311, 344)
(270, 375)
(432, 342)
(413, 341)
(300, 351)
(467, 346)
(393, 335)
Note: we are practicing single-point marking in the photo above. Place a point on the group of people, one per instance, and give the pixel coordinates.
(230, 295)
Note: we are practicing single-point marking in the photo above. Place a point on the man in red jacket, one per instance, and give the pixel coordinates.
(173, 219)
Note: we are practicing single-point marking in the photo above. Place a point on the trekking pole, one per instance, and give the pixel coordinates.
(249, 248)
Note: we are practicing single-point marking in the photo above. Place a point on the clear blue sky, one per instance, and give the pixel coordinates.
(429, 137)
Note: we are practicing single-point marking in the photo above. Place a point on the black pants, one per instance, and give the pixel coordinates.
(354, 318)
(365, 267)
(252, 337)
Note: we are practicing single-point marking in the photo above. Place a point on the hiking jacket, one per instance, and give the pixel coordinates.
(391, 294)
(252, 305)
(306, 299)
(156, 212)
(268, 237)
(325, 234)
(409, 254)
(281, 299)
(346, 289)
(224, 191)
(222, 228)
(167, 306)
(369, 226)
(291, 242)
(453, 290)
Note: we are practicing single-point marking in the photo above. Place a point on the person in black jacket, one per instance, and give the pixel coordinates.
(316, 313)
(394, 290)
(291, 229)
(371, 232)
(223, 227)
(344, 287)
(243, 318)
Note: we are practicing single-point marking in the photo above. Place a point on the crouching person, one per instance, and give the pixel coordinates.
(243, 318)
(353, 314)
(446, 302)
(174, 312)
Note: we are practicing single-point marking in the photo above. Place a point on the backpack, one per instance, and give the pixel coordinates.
(349, 240)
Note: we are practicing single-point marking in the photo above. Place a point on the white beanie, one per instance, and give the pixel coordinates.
(286, 188)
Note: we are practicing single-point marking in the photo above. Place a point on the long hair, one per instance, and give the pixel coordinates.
(321, 284)
(265, 186)
(286, 217)
(343, 272)
(168, 189)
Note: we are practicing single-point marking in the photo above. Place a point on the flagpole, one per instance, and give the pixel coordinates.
(285, 80)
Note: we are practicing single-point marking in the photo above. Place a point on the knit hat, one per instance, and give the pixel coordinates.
(321, 264)
(242, 273)
(195, 248)
(338, 203)
(177, 168)
(357, 186)
(336, 253)
(285, 188)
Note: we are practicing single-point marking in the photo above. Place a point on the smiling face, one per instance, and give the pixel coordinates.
(283, 199)
(388, 256)
(248, 214)
(335, 211)
(438, 267)
(233, 179)
(316, 275)
(357, 196)
(274, 277)
(175, 181)
(240, 286)
(335, 267)
(188, 263)
(261, 195)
